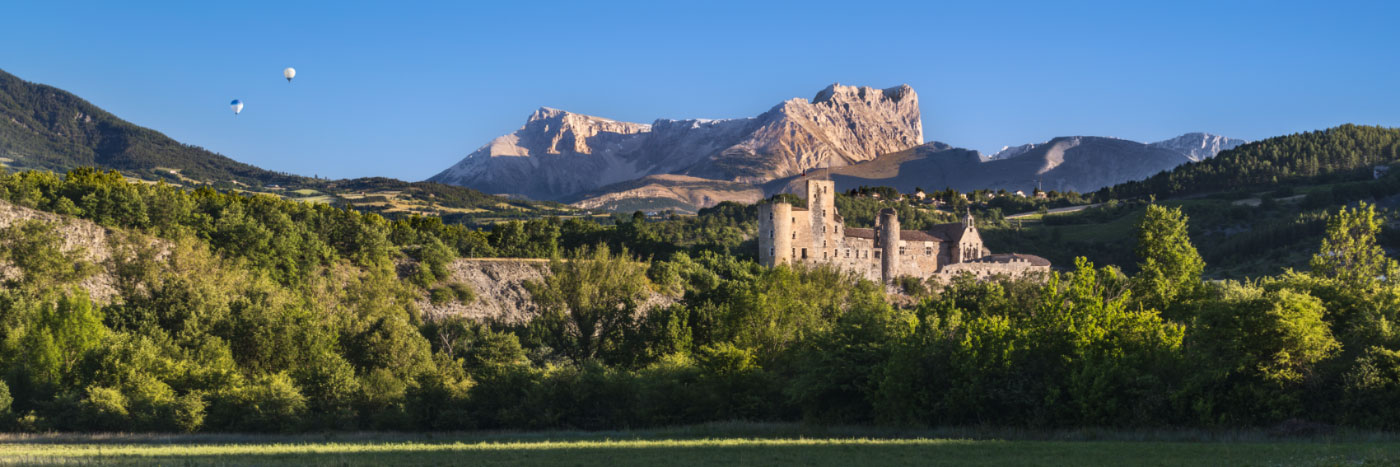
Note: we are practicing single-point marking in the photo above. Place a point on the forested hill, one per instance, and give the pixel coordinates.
(46, 128)
(43, 127)
(1341, 153)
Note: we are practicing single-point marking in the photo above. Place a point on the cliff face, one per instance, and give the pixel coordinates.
(87, 239)
(501, 295)
(558, 154)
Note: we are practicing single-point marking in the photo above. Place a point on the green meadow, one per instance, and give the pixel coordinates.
(746, 446)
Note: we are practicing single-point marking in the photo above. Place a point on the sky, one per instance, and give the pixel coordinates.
(406, 89)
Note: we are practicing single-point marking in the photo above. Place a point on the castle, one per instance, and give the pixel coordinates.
(817, 235)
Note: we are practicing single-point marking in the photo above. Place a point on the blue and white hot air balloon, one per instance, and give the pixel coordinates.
(236, 105)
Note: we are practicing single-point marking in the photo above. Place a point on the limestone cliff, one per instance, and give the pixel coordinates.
(87, 239)
(559, 154)
(501, 296)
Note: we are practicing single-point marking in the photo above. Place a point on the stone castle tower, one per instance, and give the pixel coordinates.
(817, 235)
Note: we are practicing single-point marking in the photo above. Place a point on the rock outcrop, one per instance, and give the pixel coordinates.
(559, 154)
(83, 237)
(501, 295)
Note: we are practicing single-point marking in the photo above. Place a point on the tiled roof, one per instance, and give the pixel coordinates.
(860, 233)
(1009, 257)
(917, 236)
(950, 232)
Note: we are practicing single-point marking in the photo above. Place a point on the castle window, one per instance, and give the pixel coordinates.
(901, 251)
(770, 252)
(804, 253)
(877, 255)
(823, 254)
(848, 253)
(823, 243)
(794, 252)
(770, 234)
(928, 251)
(794, 235)
(770, 215)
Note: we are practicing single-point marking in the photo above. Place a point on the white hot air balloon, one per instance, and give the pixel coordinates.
(236, 105)
(289, 73)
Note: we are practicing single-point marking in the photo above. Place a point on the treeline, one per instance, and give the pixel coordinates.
(249, 313)
(1347, 152)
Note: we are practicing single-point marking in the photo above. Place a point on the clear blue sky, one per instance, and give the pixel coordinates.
(405, 89)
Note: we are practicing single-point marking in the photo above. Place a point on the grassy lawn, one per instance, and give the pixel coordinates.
(679, 448)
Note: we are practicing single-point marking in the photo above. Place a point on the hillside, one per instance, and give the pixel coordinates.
(558, 154)
(46, 128)
(1340, 153)
(667, 192)
(43, 127)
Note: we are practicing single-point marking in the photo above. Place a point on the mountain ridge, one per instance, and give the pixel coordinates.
(840, 125)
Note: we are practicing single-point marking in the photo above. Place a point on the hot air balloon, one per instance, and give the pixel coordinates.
(236, 105)
(289, 73)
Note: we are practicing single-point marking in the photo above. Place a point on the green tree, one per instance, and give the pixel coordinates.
(1254, 350)
(589, 303)
(1170, 267)
(1349, 251)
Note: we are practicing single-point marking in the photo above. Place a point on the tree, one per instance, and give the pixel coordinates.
(1253, 350)
(1349, 251)
(1170, 267)
(589, 302)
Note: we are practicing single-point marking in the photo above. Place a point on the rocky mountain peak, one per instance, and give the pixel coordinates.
(836, 91)
(553, 131)
(1199, 146)
(842, 125)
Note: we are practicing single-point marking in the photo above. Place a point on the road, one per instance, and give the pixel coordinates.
(1055, 211)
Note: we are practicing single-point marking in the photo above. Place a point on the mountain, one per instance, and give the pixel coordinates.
(43, 127)
(1199, 146)
(1072, 163)
(559, 154)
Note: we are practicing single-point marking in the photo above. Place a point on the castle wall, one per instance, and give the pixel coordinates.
(858, 256)
(919, 258)
(989, 269)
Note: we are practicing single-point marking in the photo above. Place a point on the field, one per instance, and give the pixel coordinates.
(704, 446)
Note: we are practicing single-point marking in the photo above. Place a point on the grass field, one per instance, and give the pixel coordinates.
(751, 446)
